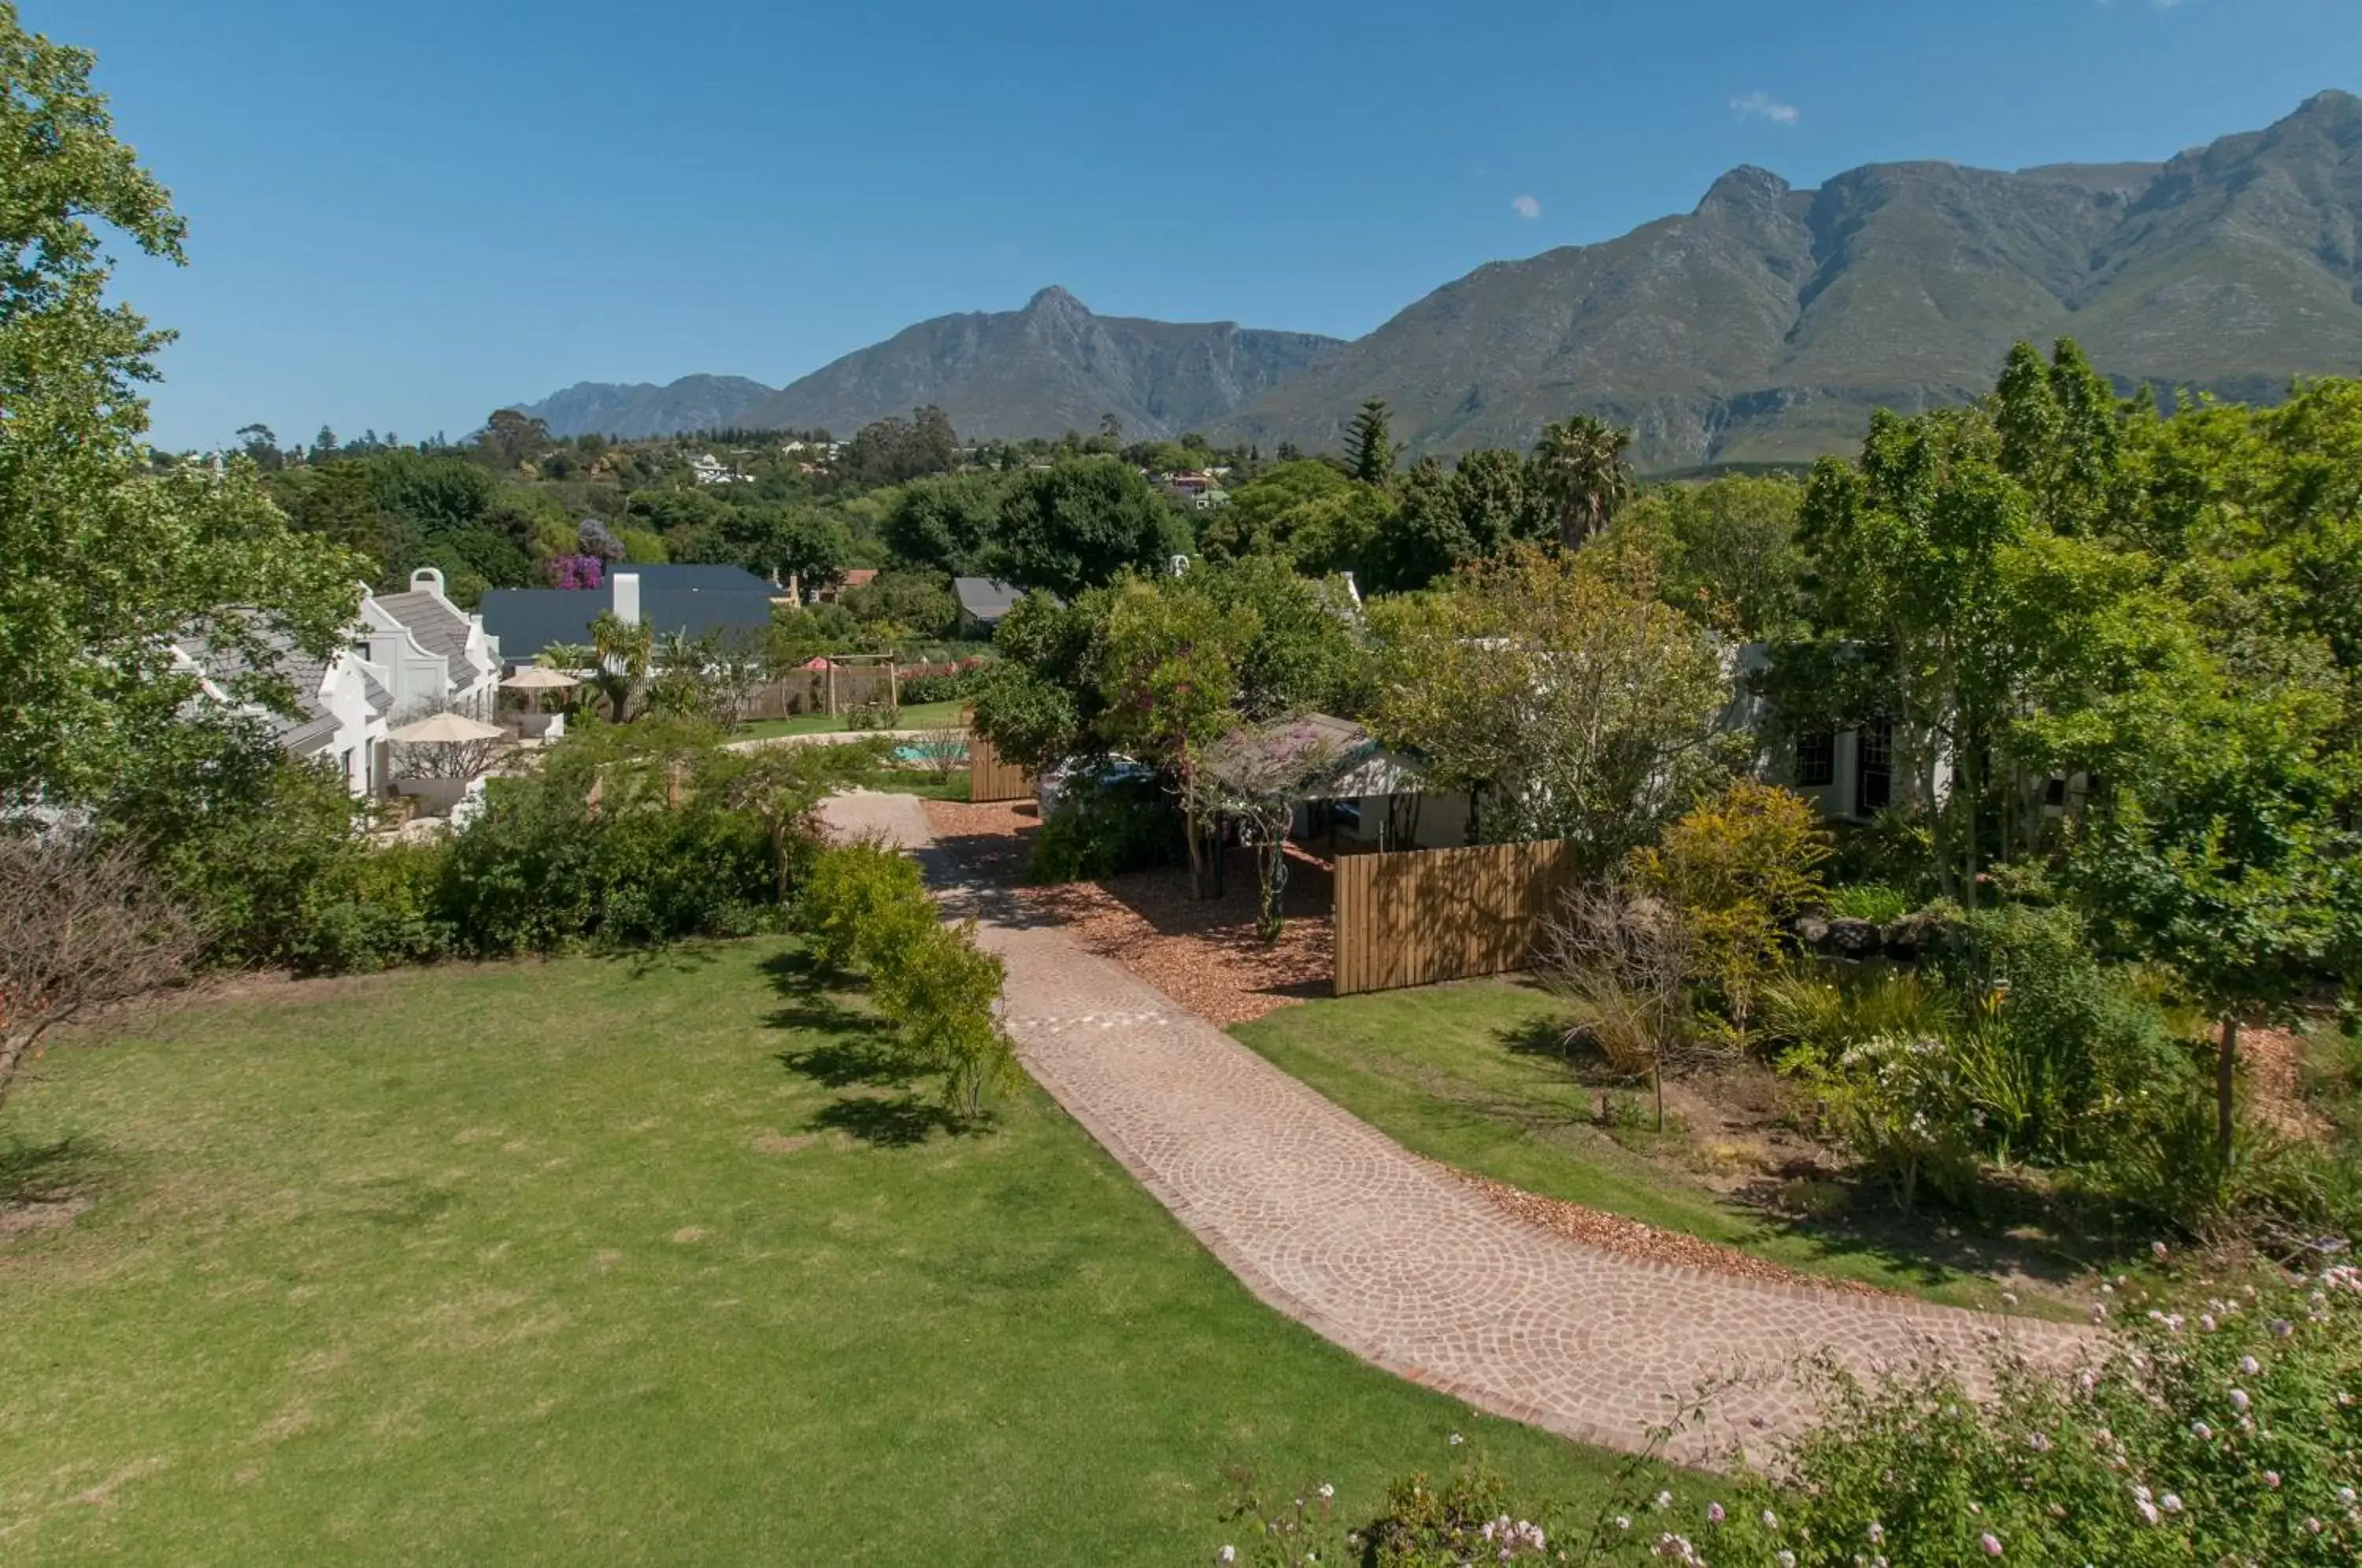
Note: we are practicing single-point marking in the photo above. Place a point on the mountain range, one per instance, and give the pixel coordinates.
(1044, 371)
(1763, 326)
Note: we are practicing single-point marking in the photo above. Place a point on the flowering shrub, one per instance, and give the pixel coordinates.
(580, 573)
(2225, 1430)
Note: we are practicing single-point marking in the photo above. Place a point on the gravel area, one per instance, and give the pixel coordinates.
(1204, 953)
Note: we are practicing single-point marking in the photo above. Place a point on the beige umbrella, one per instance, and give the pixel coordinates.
(533, 680)
(445, 729)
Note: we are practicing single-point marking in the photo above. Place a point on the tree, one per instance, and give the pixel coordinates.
(1580, 461)
(512, 438)
(2220, 849)
(1912, 560)
(109, 561)
(1168, 661)
(918, 602)
(624, 648)
(1735, 868)
(1304, 511)
(1726, 550)
(946, 524)
(85, 926)
(1257, 775)
(1559, 695)
(782, 787)
(1369, 446)
(1040, 703)
(1081, 523)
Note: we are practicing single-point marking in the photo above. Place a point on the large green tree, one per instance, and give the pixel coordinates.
(1080, 524)
(107, 560)
(1559, 693)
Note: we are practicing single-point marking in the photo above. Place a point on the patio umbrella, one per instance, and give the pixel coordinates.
(445, 729)
(534, 680)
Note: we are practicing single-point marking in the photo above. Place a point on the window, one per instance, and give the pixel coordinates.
(1873, 781)
(1816, 761)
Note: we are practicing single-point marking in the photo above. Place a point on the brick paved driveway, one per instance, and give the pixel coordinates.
(1343, 1229)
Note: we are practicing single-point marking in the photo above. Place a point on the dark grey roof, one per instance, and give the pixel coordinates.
(527, 620)
(694, 574)
(986, 598)
(439, 627)
(698, 612)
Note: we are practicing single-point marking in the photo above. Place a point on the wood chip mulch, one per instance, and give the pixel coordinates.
(1204, 953)
(1614, 1233)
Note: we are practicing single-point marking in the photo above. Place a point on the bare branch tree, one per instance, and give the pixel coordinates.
(1621, 962)
(941, 750)
(1257, 774)
(83, 927)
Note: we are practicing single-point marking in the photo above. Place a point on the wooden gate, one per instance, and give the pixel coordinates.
(989, 778)
(1418, 916)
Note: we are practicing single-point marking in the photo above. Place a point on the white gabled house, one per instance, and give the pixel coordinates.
(409, 653)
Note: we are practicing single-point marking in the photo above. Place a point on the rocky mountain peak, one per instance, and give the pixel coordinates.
(1747, 188)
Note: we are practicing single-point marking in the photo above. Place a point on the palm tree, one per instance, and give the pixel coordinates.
(624, 648)
(1581, 464)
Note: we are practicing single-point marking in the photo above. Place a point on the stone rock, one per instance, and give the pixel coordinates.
(1813, 931)
(1853, 938)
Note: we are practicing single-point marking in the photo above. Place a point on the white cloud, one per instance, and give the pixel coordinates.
(1764, 106)
(1525, 206)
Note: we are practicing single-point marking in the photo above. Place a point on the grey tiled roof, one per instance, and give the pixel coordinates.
(438, 627)
(298, 669)
(986, 598)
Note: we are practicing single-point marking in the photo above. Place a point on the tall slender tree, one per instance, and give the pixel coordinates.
(1369, 446)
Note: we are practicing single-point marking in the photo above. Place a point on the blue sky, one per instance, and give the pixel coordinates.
(406, 215)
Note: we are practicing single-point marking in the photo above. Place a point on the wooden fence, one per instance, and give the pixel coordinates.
(989, 778)
(1415, 917)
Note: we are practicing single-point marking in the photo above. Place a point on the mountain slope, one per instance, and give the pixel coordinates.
(1769, 323)
(1766, 324)
(1043, 371)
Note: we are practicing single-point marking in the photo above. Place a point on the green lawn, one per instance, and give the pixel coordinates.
(1441, 1069)
(916, 716)
(604, 1261)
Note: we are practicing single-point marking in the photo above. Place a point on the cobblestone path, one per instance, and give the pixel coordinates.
(1345, 1231)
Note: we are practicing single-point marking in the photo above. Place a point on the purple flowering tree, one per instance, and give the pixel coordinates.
(595, 539)
(576, 571)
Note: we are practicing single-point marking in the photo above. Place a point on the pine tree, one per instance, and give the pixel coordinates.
(1370, 448)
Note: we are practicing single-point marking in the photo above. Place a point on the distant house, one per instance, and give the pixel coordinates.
(695, 600)
(707, 468)
(407, 653)
(983, 600)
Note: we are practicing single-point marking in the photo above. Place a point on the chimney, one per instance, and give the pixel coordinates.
(427, 579)
(626, 585)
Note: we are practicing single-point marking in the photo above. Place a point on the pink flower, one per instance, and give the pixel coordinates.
(2272, 1479)
(1991, 1543)
(1713, 1513)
